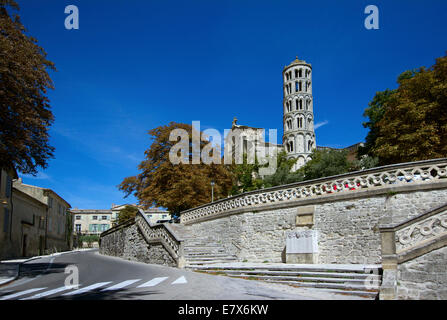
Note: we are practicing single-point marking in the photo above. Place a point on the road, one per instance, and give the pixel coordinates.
(103, 278)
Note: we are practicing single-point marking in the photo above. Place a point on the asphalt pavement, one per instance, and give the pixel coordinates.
(88, 275)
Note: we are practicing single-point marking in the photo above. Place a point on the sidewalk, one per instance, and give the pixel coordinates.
(10, 269)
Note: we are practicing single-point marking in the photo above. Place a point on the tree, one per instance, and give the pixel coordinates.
(25, 114)
(176, 187)
(245, 176)
(325, 163)
(128, 212)
(414, 122)
(283, 174)
(374, 112)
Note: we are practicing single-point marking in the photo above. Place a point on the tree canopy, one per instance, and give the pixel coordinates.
(325, 163)
(128, 212)
(176, 187)
(25, 115)
(410, 122)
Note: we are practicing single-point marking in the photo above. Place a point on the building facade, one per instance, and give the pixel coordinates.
(57, 220)
(155, 214)
(298, 120)
(91, 222)
(34, 220)
(6, 178)
(94, 222)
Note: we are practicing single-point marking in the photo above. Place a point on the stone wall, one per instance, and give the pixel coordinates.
(127, 242)
(424, 277)
(347, 227)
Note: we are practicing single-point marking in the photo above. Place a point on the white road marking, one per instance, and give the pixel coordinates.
(89, 288)
(121, 285)
(48, 293)
(21, 293)
(152, 282)
(180, 280)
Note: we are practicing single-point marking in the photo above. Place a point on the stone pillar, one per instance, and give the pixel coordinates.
(388, 289)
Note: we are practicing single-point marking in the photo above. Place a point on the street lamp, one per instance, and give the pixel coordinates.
(212, 190)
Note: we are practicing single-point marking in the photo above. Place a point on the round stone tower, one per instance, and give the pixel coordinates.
(299, 135)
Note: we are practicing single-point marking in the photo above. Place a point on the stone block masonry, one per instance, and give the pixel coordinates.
(348, 228)
(424, 278)
(127, 242)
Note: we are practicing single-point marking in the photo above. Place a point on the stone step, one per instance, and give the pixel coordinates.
(202, 246)
(325, 285)
(302, 274)
(374, 282)
(226, 257)
(195, 264)
(366, 294)
(291, 268)
(207, 255)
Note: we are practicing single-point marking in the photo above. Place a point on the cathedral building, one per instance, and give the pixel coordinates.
(298, 120)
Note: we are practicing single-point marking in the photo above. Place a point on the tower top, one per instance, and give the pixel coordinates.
(298, 62)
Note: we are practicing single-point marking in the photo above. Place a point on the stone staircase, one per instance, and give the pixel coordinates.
(359, 280)
(201, 251)
(208, 256)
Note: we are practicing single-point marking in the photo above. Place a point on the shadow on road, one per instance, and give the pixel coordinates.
(35, 269)
(97, 294)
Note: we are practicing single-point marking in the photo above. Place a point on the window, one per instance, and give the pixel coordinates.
(93, 228)
(6, 220)
(78, 218)
(41, 222)
(95, 218)
(8, 186)
(104, 218)
(163, 216)
(296, 86)
(296, 73)
(301, 104)
(301, 73)
(78, 228)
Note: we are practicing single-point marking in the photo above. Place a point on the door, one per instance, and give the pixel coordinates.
(24, 245)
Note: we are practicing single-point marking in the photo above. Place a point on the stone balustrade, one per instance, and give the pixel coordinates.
(412, 173)
(153, 234)
(161, 233)
(407, 258)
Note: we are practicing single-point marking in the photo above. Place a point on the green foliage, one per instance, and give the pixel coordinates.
(325, 163)
(245, 176)
(177, 187)
(365, 162)
(410, 123)
(283, 174)
(128, 212)
(375, 112)
(25, 115)
(89, 239)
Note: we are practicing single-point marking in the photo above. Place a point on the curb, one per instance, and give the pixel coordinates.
(18, 265)
(9, 280)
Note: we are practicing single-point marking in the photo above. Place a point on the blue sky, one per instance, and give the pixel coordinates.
(134, 65)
